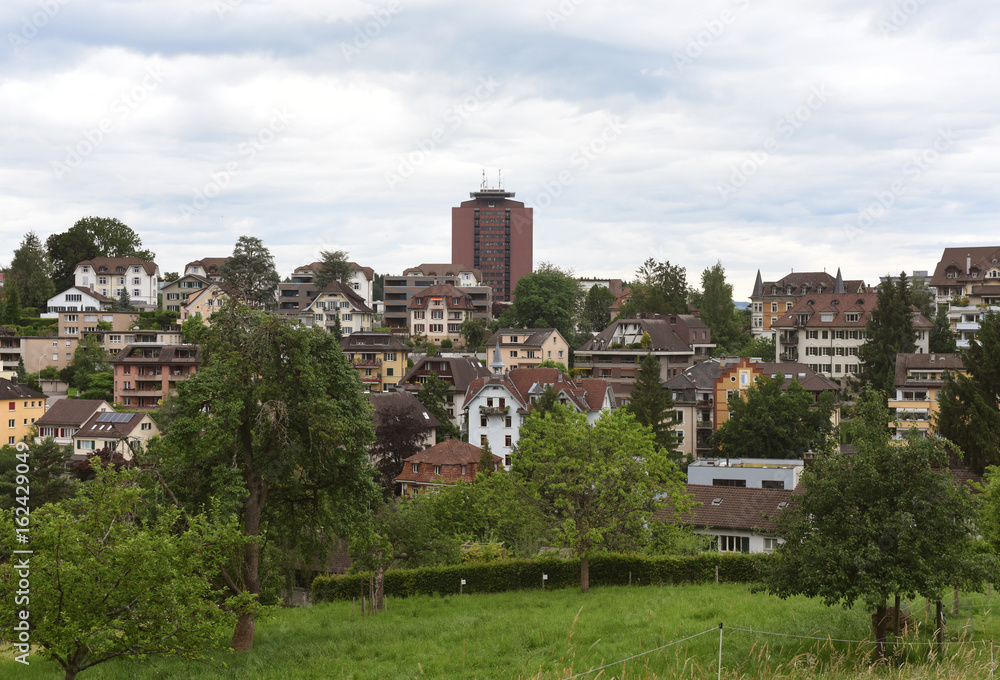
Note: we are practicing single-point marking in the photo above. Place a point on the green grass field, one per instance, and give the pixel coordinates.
(558, 634)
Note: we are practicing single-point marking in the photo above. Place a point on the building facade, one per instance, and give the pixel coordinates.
(399, 290)
(493, 233)
(22, 407)
(147, 373)
(339, 302)
(918, 379)
(449, 462)
(126, 433)
(110, 276)
(961, 270)
(296, 295)
(528, 347)
(65, 418)
(438, 313)
(770, 300)
(379, 358)
(455, 372)
(76, 299)
(175, 293)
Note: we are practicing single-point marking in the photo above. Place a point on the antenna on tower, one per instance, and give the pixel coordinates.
(482, 185)
(500, 178)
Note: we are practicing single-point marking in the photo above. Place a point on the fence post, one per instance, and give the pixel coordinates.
(717, 574)
(720, 649)
(954, 609)
(940, 624)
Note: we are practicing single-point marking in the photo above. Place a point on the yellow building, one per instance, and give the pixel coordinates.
(22, 408)
(919, 378)
(379, 358)
(338, 301)
(206, 302)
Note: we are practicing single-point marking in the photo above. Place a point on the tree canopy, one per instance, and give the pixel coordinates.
(767, 421)
(887, 520)
(547, 298)
(652, 405)
(249, 272)
(968, 412)
(434, 395)
(275, 425)
(29, 273)
(333, 267)
(659, 288)
(889, 331)
(88, 238)
(597, 485)
(715, 304)
(596, 309)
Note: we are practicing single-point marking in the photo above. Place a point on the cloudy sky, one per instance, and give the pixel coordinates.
(783, 135)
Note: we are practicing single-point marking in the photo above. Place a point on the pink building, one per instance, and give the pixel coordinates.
(146, 373)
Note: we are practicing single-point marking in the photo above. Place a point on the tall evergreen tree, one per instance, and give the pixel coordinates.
(123, 303)
(889, 331)
(29, 273)
(10, 315)
(652, 405)
(715, 303)
(942, 338)
(250, 273)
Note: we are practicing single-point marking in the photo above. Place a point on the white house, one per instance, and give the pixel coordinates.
(751, 473)
(76, 299)
(109, 276)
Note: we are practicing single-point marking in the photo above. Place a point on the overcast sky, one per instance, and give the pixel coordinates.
(769, 134)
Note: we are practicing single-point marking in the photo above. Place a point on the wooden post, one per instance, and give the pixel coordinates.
(717, 574)
(895, 620)
(939, 623)
(630, 577)
(927, 611)
(954, 610)
(352, 605)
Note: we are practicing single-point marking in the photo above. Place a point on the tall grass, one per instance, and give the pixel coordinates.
(557, 634)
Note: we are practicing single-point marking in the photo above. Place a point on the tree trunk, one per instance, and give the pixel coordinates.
(74, 662)
(939, 624)
(584, 573)
(895, 618)
(879, 623)
(379, 588)
(253, 510)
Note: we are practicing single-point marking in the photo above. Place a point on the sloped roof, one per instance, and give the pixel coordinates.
(463, 371)
(12, 390)
(441, 270)
(373, 341)
(111, 425)
(532, 337)
(662, 333)
(443, 290)
(336, 287)
(982, 258)
(738, 508)
(92, 293)
(211, 264)
(450, 452)
(407, 402)
(929, 362)
(112, 264)
(585, 394)
(167, 354)
(72, 411)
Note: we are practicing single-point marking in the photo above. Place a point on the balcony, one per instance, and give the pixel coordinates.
(372, 379)
(494, 410)
(367, 363)
(141, 393)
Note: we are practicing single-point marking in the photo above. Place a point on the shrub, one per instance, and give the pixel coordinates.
(447, 343)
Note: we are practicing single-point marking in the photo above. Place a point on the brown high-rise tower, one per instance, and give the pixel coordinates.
(493, 234)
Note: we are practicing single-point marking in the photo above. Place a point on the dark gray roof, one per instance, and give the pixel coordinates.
(385, 402)
(72, 411)
(12, 390)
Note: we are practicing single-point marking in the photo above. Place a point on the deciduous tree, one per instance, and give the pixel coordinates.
(597, 309)
(333, 267)
(88, 238)
(473, 332)
(399, 434)
(715, 304)
(434, 395)
(593, 482)
(249, 272)
(549, 297)
(659, 288)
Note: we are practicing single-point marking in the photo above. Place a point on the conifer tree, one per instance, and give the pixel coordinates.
(889, 331)
(486, 463)
(652, 405)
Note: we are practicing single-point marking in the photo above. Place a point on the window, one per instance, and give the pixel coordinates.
(812, 335)
(506, 459)
(11, 423)
(852, 316)
(390, 356)
(437, 314)
(418, 315)
(507, 440)
(770, 544)
(71, 318)
(87, 445)
(136, 281)
(774, 306)
(418, 328)
(482, 440)
(135, 270)
(679, 417)
(463, 469)
(734, 543)
(415, 466)
(482, 421)
(437, 328)
(788, 305)
(513, 354)
(730, 482)
(506, 421)
(146, 426)
(388, 371)
(437, 469)
(772, 484)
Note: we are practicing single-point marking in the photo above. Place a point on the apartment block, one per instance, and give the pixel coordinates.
(146, 373)
(379, 358)
(399, 290)
(110, 276)
(770, 300)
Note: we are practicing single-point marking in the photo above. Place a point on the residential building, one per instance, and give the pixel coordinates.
(206, 302)
(493, 234)
(614, 285)
(399, 290)
(750, 473)
(678, 341)
(734, 518)
(964, 320)
(65, 418)
(109, 276)
(449, 462)
(772, 299)
(24, 407)
(126, 433)
(700, 395)
(498, 405)
(961, 270)
(389, 406)
(76, 299)
(145, 373)
(42, 351)
(528, 347)
(919, 378)
(824, 331)
(81, 324)
(10, 351)
(174, 293)
(339, 301)
(295, 296)
(206, 268)
(438, 313)
(455, 372)
(380, 358)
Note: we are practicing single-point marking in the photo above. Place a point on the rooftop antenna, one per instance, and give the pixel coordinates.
(482, 185)
(500, 179)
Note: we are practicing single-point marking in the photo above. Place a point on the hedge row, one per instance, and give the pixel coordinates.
(498, 577)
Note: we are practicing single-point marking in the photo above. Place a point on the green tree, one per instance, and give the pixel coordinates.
(110, 580)
(89, 358)
(333, 267)
(29, 273)
(276, 426)
(399, 433)
(597, 309)
(92, 237)
(546, 298)
(194, 329)
(434, 395)
(11, 308)
(715, 303)
(761, 347)
(249, 272)
(21, 373)
(99, 386)
(967, 404)
(652, 405)
(170, 277)
(473, 332)
(659, 288)
(552, 363)
(596, 483)
(123, 303)
(889, 331)
(47, 471)
(766, 421)
(888, 520)
(486, 466)
(942, 340)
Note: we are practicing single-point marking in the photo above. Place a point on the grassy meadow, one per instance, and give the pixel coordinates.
(557, 634)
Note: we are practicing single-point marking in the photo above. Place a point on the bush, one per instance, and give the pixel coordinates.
(502, 576)
(446, 343)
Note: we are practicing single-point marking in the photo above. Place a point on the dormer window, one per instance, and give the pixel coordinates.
(415, 467)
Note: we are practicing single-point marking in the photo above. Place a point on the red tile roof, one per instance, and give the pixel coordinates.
(731, 507)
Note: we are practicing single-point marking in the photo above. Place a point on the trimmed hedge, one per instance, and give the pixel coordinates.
(498, 577)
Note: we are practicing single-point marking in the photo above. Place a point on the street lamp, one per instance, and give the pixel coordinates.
(40, 369)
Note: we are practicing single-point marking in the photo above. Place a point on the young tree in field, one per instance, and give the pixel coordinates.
(594, 482)
(546, 298)
(250, 273)
(111, 580)
(888, 520)
(276, 426)
(597, 309)
(659, 288)
(652, 405)
(333, 267)
(889, 331)
(766, 421)
(434, 395)
(29, 273)
(968, 414)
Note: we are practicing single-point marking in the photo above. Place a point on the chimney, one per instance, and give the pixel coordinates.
(968, 263)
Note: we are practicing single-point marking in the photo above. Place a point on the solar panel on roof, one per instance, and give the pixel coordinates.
(114, 417)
